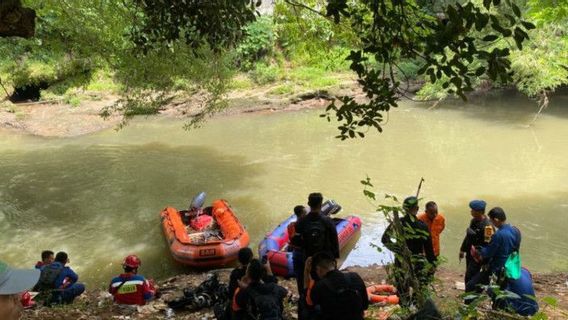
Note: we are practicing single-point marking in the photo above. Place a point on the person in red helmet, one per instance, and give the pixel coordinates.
(130, 288)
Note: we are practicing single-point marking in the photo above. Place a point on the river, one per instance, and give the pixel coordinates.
(98, 196)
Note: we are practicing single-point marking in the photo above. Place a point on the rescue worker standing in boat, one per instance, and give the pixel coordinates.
(477, 235)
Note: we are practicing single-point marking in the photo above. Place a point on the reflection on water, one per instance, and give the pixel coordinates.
(98, 196)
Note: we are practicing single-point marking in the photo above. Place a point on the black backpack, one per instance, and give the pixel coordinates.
(47, 278)
(265, 303)
(315, 236)
(345, 296)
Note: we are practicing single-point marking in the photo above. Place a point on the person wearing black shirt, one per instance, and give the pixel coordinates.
(314, 233)
(340, 295)
(244, 257)
(258, 281)
(476, 237)
(418, 240)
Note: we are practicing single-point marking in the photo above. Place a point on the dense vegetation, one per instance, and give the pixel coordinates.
(147, 54)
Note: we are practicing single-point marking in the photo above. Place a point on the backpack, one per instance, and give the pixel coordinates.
(315, 236)
(47, 278)
(512, 267)
(265, 305)
(345, 296)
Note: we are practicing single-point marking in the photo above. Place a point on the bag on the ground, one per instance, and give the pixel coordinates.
(47, 278)
(346, 296)
(513, 266)
(265, 305)
(314, 238)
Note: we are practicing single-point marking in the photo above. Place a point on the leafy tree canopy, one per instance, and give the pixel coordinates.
(156, 48)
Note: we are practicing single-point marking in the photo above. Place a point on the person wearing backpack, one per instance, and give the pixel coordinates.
(58, 283)
(130, 288)
(340, 295)
(314, 233)
(259, 297)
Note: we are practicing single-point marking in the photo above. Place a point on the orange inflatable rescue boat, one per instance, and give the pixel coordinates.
(214, 246)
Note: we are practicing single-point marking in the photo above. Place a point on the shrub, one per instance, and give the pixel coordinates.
(264, 73)
(257, 43)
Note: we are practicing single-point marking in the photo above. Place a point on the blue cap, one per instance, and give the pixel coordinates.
(477, 205)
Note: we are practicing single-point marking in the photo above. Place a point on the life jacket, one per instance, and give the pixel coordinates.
(131, 289)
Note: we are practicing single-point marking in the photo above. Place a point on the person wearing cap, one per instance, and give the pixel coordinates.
(492, 257)
(130, 288)
(436, 224)
(339, 295)
(12, 283)
(418, 240)
(477, 235)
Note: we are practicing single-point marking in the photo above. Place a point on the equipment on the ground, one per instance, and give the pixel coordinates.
(209, 293)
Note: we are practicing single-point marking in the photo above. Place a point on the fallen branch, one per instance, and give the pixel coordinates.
(543, 105)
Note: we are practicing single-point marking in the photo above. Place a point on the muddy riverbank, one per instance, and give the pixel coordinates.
(96, 305)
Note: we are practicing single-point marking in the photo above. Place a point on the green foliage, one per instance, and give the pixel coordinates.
(215, 23)
(412, 289)
(391, 31)
(264, 73)
(257, 43)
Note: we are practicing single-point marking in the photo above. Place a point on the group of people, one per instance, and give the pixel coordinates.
(324, 291)
(57, 284)
(491, 248)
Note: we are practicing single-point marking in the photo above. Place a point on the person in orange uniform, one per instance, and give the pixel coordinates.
(435, 222)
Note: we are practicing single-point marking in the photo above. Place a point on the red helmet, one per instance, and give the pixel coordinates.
(132, 261)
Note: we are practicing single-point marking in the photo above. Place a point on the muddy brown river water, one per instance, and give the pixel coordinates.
(98, 196)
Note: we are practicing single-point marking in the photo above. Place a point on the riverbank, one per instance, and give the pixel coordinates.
(96, 304)
(57, 118)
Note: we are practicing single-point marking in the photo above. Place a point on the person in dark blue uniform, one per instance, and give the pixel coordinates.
(475, 237)
(524, 303)
(503, 243)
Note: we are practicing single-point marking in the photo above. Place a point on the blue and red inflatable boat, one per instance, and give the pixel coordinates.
(274, 245)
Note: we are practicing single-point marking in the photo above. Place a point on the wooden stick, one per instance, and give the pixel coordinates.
(419, 186)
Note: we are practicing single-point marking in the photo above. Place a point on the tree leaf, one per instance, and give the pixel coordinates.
(490, 37)
(528, 25)
(516, 9)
